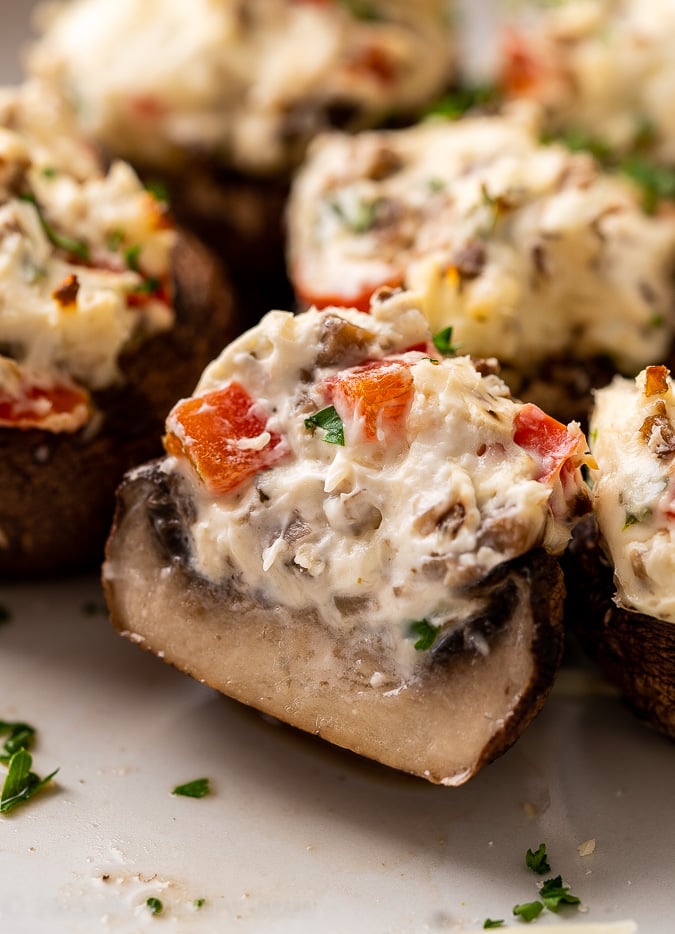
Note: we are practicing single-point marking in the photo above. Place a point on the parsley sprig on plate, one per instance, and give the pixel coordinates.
(20, 783)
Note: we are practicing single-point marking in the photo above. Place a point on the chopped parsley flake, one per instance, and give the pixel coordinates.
(194, 789)
(115, 238)
(20, 782)
(528, 911)
(148, 286)
(361, 219)
(489, 923)
(360, 9)
(554, 894)
(443, 342)
(5, 614)
(199, 902)
(633, 518)
(76, 248)
(330, 421)
(537, 860)
(426, 632)
(656, 181)
(157, 189)
(579, 141)
(452, 106)
(131, 255)
(21, 736)
(49, 171)
(155, 906)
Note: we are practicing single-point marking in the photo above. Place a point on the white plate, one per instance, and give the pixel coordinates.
(297, 836)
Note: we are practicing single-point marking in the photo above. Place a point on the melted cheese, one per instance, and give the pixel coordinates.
(633, 441)
(79, 250)
(601, 66)
(248, 81)
(528, 251)
(370, 533)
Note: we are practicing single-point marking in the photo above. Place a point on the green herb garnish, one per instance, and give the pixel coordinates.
(656, 181)
(21, 736)
(115, 238)
(49, 171)
(330, 421)
(554, 894)
(360, 9)
(194, 789)
(199, 902)
(489, 923)
(74, 247)
(528, 911)
(361, 219)
(426, 632)
(5, 614)
(443, 342)
(155, 905)
(20, 782)
(157, 189)
(537, 860)
(578, 140)
(148, 286)
(131, 255)
(455, 105)
(632, 518)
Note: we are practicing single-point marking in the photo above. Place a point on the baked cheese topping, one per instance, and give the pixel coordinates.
(84, 264)
(247, 81)
(528, 251)
(340, 464)
(602, 67)
(633, 440)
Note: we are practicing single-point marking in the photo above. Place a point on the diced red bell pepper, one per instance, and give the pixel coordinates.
(360, 301)
(221, 433)
(521, 71)
(374, 397)
(548, 441)
(39, 407)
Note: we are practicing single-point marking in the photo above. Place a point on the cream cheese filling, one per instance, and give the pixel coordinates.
(634, 491)
(375, 534)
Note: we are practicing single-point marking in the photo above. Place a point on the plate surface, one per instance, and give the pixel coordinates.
(297, 836)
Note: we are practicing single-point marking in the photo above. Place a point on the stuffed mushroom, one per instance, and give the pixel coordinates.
(356, 533)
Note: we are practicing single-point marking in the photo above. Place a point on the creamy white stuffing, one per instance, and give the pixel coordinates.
(84, 255)
(246, 81)
(602, 67)
(395, 525)
(633, 440)
(528, 251)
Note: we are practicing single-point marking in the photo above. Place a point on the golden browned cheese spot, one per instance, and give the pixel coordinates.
(65, 293)
(656, 380)
(658, 432)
